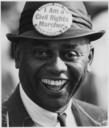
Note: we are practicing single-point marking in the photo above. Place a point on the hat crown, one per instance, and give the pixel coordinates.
(77, 9)
(80, 23)
(70, 5)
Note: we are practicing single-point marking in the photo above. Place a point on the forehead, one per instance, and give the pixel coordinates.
(75, 42)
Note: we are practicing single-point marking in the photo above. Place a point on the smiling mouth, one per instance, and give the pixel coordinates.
(54, 85)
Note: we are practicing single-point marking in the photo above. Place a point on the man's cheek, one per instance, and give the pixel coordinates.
(75, 71)
(33, 65)
(76, 77)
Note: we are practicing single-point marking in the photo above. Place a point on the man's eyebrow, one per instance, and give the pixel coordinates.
(40, 43)
(70, 46)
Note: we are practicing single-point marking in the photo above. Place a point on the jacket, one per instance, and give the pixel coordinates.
(15, 115)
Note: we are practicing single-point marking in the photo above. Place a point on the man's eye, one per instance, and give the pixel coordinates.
(71, 55)
(42, 53)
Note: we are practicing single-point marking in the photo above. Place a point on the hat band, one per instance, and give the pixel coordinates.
(81, 19)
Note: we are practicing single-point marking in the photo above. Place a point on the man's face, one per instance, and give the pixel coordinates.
(50, 71)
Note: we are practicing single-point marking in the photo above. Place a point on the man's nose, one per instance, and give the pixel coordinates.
(57, 66)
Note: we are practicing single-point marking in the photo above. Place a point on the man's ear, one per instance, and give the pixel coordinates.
(90, 57)
(16, 49)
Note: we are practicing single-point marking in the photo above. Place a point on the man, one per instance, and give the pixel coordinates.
(52, 52)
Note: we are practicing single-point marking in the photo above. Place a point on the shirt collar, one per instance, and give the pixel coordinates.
(38, 114)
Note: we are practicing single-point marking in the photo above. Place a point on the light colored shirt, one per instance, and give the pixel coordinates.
(43, 117)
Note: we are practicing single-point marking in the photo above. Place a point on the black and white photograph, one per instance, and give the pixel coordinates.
(54, 63)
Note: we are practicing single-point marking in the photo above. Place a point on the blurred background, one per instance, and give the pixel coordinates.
(95, 87)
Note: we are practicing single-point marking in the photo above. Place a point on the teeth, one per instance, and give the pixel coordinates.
(53, 82)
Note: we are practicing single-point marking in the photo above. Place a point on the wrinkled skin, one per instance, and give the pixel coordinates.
(54, 60)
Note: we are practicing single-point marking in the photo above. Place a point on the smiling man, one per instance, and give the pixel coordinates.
(52, 55)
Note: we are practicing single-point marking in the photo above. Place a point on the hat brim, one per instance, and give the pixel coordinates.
(92, 35)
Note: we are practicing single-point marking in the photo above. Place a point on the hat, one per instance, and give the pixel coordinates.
(56, 20)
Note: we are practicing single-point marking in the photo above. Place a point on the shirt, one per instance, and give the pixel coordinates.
(43, 117)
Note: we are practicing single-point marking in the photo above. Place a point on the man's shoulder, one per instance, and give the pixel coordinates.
(88, 106)
(91, 111)
(13, 110)
(4, 114)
